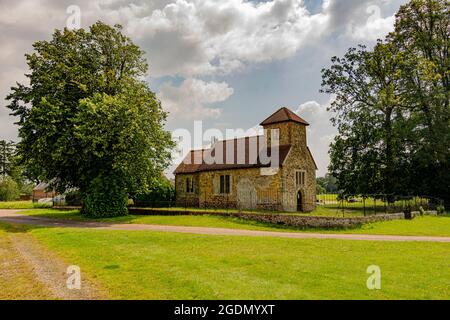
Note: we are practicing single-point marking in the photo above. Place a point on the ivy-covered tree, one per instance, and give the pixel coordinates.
(87, 119)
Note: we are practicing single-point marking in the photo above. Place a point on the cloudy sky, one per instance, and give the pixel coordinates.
(229, 63)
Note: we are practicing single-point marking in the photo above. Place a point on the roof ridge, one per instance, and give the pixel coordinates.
(284, 114)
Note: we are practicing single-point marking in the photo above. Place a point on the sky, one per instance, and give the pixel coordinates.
(227, 63)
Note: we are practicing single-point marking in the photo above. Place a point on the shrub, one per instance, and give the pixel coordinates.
(440, 210)
(26, 188)
(9, 190)
(421, 210)
(105, 197)
(407, 212)
(320, 189)
(73, 198)
(161, 195)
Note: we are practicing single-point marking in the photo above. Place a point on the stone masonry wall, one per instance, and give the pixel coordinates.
(249, 190)
(252, 190)
(185, 199)
(299, 159)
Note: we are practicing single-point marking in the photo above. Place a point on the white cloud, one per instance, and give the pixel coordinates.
(193, 98)
(360, 20)
(320, 132)
(376, 26)
(199, 37)
(191, 38)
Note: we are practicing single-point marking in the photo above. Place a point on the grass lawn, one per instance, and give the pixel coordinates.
(21, 205)
(16, 277)
(153, 265)
(420, 226)
(210, 221)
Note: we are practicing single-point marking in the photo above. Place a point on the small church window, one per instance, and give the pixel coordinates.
(189, 185)
(300, 178)
(225, 184)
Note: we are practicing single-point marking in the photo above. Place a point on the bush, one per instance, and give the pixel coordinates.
(421, 210)
(440, 210)
(105, 197)
(73, 198)
(9, 190)
(162, 195)
(320, 189)
(26, 188)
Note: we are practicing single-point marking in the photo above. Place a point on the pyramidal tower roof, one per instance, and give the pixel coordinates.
(284, 115)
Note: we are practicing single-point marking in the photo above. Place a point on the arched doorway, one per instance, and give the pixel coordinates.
(299, 202)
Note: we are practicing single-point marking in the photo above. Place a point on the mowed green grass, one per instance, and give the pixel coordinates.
(209, 221)
(152, 265)
(420, 226)
(22, 205)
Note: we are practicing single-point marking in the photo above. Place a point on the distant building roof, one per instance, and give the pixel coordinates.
(41, 186)
(284, 115)
(237, 159)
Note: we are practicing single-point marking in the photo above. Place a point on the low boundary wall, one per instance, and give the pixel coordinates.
(289, 220)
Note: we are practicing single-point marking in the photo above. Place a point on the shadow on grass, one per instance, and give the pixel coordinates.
(17, 228)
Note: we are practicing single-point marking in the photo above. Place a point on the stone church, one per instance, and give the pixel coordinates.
(275, 171)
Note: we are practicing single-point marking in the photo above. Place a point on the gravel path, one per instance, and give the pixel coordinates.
(12, 216)
(50, 270)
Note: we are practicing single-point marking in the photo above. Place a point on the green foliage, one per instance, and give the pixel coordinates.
(421, 211)
(106, 197)
(328, 183)
(440, 210)
(73, 198)
(320, 189)
(161, 195)
(9, 190)
(392, 108)
(26, 188)
(92, 116)
(7, 155)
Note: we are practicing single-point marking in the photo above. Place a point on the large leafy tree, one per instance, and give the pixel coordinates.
(7, 156)
(422, 33)
(392, 107)
(365, 154)
(88, 120)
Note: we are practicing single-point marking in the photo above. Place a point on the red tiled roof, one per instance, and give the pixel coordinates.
(283, 115)
(239, 158)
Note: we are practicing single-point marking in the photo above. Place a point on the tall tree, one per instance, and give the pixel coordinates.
(7, 155)
(87, 120)
(392, 108)
(367, 105)
(422, 33)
